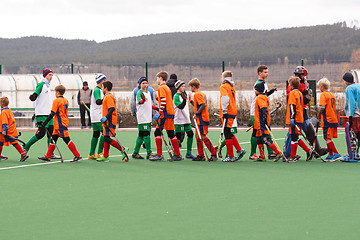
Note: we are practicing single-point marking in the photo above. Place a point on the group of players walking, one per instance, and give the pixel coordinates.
(171, 106)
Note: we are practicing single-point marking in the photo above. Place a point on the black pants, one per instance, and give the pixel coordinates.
(82, 114)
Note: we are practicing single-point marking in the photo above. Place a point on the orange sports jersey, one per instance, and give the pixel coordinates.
(165, 101)
(328, 118)
(60, 107)
(227, 90)
(109, 102)
(200, 98)
(7, 117)
(295, 98)
(262, 101)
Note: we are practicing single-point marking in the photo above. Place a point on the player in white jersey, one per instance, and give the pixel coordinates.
(95, 115)
(43, 104)
(144, 107)
(182, 117)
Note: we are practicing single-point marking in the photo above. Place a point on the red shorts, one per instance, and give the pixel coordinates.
(166, 123)
(356, 124)
(203, 129)
(330, 132)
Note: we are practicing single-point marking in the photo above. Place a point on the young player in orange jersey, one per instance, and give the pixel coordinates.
(109, 120)
(8, 129)
(328, 118)
(228, 113)
(59, 111)
(261, 122)
(165, 118)
(294, 116)
(202, 119)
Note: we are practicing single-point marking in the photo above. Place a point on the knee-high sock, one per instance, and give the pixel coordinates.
(1, 148)
(229, 146)
(32, 140)
(106, 149)
(210, 146)
(101, 144)
(331, 147)
(158, 142)
(73, 149)
(269, 149)
(293, 149)
(274, 148)
(261, 150)
(175, 145)
(50, 150)
(93, 144)
(303, 145)
(19, 149)
(236, 144)
(253, 145)
(189, 144)
(147, 142)
(139, 141)
(116, 145)
(200, 147)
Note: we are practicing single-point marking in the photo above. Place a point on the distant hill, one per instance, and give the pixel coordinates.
(333, 43)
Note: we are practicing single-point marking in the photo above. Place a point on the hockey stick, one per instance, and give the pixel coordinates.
(86, 107)
(52, 141)
(123, 150)
(221, 135)
(272, 136)
(14, 138)
(166, 145)
(272, 111)
(201, 140)
(314, 144)
(308, 142)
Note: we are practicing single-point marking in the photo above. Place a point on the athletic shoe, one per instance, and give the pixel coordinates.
(213, 158)
(189, 156)
(260, 159)
(336, 157)
(272, 156)
(24, 157)
(277, 157)
(329, 157)
(218, 151)
(178, 158)
(103, 159)
(99, 155)
(44, 159)
(157, 158)
(290, 159)
(137, 156)
(253, 157)
(240, 154)
(92, 157)
(309, 156)
(228, 159)
(76, 159)
(53, 156)
(199, 158)
(150, 156)
(3, 157)
(297, 157)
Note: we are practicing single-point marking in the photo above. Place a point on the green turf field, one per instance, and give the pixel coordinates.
(176, 200)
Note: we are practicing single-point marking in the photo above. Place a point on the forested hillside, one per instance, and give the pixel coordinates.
(333, 43)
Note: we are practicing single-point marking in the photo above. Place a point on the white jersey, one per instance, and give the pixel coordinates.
(144, 111)
(182, 116)
(43, 102)
(96, 110)
(252, 108)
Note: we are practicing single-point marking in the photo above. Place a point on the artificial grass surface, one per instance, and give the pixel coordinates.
(179, 200)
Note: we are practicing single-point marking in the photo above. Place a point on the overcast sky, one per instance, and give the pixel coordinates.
(103, 20)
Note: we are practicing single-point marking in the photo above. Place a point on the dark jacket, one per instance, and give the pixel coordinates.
(171, 84)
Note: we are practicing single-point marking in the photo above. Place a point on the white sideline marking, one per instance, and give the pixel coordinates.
(45, 163)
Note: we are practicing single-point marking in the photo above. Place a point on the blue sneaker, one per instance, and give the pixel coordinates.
(335, 157)
(329, 157)
(190, 156)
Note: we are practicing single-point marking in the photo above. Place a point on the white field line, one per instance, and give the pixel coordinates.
(46, 163)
